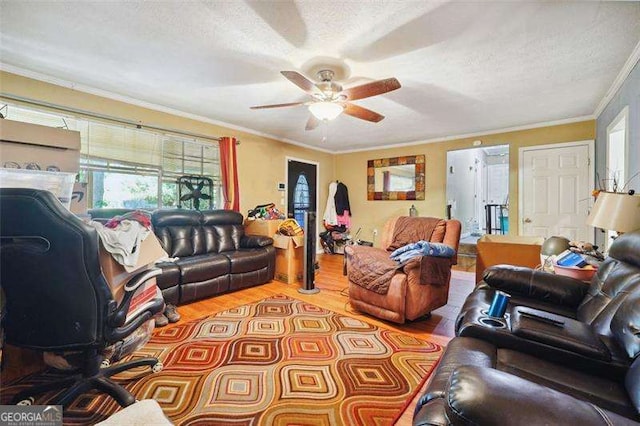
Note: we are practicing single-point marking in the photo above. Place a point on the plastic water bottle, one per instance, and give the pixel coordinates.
(413, 211)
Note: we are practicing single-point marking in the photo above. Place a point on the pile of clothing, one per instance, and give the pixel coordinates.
(121, 236)
(338, 209)
(266, 212)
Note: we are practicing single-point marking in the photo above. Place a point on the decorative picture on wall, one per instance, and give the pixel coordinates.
(397, 178)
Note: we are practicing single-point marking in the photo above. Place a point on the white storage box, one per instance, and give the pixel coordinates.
(60, 183)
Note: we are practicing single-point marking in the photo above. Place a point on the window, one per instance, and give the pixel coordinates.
(301, 199)
(127, 167)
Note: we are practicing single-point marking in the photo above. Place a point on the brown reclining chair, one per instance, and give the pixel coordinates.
(412, 290)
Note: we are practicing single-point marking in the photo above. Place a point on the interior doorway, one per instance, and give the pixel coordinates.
(478, 189)
(302, 188)
(555, 184)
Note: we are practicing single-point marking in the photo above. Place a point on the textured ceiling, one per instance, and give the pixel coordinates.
(465, 67)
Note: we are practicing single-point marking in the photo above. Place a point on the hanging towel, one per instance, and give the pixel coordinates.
(330, 215)
(342, 199)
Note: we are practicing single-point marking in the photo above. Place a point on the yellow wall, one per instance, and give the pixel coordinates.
(261, 161)
(352, 170)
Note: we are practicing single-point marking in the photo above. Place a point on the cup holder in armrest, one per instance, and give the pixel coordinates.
(492, 322)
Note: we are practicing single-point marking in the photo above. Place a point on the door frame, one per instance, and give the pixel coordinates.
(590, 143)
(286, 179)
(623, 115)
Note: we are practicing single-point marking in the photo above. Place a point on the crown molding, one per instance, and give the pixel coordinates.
(617, 83)
(149, 105)
(132, 101)
(473, 135)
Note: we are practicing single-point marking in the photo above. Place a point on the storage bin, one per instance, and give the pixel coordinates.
(59, 183)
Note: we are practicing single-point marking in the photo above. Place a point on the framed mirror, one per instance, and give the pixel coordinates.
(397, 178)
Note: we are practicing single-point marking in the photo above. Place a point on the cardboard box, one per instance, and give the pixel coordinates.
(117, 275)
(289, 258)
(512, 250)
(267, 228)
(79, 198)
(25, 143)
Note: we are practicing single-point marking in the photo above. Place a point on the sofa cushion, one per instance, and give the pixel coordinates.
(179, 231)
(222, 229)
(203, 267)
(247, 260)
(221, 238)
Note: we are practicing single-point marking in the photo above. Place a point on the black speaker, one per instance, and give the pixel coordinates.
(309, 263)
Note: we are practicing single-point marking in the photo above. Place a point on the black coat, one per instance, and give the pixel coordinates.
(342, 199)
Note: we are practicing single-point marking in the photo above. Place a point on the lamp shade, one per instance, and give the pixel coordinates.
(326, 110)
(616, 211)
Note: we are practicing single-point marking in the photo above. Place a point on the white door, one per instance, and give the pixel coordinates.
(555, 190)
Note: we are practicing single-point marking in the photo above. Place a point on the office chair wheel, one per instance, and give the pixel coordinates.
(27, 401)
(157, 367)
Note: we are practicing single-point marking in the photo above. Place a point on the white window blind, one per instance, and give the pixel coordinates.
(118, 148)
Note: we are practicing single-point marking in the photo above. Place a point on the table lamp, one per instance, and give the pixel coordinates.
(616, 211)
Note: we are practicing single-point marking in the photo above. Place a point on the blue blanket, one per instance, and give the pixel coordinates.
(421, 248)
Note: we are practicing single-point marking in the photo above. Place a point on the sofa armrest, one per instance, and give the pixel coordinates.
(485, 396)
(540, 285)
(255, 241)
(428, 270)
(559, 332)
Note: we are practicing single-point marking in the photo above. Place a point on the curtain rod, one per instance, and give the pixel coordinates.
(85, 113)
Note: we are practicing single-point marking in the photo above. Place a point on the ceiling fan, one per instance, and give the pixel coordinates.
(330, 100)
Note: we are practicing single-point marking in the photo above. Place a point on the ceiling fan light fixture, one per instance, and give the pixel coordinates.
(326, 110)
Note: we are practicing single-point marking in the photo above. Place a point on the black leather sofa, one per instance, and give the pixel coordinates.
(214, 254)
(566, 353)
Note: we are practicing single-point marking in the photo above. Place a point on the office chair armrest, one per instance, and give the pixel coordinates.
(119, 333)
(118, 316)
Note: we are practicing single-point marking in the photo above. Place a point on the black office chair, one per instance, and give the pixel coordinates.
(57, 298)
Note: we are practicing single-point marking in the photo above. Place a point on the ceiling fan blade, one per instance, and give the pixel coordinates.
(186, 197)
(188, 185)
(371, 89)
(278, 105)
(312, 123)
(205, 196)
(301, 81)
(362, 113)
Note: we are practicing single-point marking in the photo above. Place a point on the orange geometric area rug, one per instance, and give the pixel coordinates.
(278, 361)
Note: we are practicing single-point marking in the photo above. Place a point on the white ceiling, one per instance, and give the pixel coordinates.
(465, 67)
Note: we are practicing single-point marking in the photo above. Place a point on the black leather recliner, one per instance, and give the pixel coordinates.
(567, 353)
(57, 298)
(481, 383)
(593, 303)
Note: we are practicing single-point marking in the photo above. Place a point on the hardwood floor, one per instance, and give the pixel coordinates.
(333, 295)
(439, 328)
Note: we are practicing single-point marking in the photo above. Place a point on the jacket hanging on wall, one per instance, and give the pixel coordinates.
(343, 209)
(330, 216)
(342, 199)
